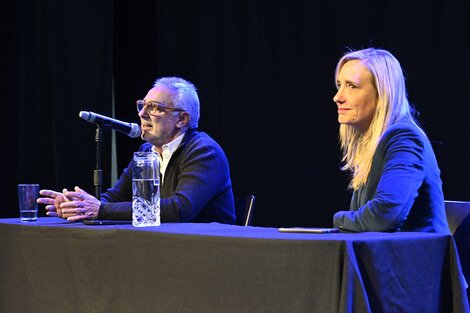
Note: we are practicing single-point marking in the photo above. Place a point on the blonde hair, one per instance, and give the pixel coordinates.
(392, 104)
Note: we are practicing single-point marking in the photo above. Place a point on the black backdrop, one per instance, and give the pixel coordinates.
(265, 77)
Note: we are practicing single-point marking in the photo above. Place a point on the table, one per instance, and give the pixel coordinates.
(55, 266)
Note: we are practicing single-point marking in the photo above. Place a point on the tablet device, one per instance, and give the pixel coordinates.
(315, 230)
(106, 222)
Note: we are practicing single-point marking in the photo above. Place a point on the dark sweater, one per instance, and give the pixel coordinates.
(197, 185)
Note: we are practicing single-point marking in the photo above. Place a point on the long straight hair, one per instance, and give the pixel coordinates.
(392, 104)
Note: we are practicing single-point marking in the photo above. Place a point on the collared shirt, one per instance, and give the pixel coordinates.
(167, 151)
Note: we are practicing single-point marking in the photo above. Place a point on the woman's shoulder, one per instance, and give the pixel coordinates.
(406, 126)
(404, 133)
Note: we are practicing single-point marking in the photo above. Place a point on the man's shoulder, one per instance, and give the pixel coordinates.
(198, 140)
(200, 137)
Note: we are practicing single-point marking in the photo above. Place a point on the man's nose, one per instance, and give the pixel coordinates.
(142, 112)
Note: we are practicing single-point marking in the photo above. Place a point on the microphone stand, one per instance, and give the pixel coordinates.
(98, 173)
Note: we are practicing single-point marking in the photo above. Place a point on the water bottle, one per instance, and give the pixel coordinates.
(145, 189)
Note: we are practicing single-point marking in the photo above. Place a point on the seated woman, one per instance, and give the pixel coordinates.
(395, 176)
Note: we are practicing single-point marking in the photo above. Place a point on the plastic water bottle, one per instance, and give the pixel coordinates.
(145, 190)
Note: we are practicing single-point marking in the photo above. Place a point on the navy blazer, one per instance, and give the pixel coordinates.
(403, 191)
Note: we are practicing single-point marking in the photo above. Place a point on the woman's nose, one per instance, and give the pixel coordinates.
(338, 97)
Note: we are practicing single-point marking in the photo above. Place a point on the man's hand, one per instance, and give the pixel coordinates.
(53, 200)
(72, 205)
(81, 206)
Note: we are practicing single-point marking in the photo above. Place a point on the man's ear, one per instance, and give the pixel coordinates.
(184, 120)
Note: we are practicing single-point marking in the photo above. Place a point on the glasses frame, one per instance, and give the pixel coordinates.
(153, 106)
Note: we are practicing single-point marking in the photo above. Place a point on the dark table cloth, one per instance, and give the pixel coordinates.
(55, 266)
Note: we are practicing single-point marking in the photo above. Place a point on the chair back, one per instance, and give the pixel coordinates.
(244, 210)
(458, 218)
(456, 212)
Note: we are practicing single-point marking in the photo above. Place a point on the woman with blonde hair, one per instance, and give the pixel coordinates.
(395, 177)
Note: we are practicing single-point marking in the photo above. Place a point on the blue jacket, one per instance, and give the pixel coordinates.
(403, 191)
(197, 185)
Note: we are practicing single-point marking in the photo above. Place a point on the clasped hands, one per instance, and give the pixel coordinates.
(74, 206)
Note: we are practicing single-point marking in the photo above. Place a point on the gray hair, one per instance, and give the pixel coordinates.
(185, 96)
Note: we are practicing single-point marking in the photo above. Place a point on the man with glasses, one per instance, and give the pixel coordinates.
(196, 185)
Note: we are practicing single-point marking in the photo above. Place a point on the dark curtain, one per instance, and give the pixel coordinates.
(58, 60)
(264, 71)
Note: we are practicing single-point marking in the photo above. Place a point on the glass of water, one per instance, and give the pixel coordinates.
(27, 196)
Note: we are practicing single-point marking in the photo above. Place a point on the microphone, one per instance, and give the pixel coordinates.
(130, 129)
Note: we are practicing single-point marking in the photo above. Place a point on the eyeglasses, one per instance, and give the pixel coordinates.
(154, 107)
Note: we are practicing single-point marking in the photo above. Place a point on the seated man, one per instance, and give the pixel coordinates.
(196, 185)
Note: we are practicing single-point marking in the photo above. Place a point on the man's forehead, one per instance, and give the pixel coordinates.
(158, 93)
